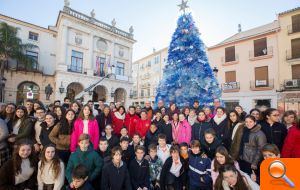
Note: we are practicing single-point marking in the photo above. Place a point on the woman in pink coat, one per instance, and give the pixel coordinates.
(85, 123)
(181, 132)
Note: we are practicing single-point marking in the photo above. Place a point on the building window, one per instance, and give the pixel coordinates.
(296, 71)
(148, 92)
(230, 54)
(296, 23)
(149, 64)
(261, 76)
(295, 48)
(230, 76)
(231, 104)
(99, 67)
(142, 93)
(76, 61)
(120, 69)
(260, 47)
(35, 57)
(33, 36)
(156, 59)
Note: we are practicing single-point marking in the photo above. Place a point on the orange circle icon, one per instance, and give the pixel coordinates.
(277, 169)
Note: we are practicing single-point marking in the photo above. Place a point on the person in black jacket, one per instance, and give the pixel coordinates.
(104, 151)
(210, 143)
(139, 170)
(220, 125)
(115, 175)
(274, 131)
(127, 150)
(166, 129)
(47, 126)
(159, 122)
(152, 135)
(103, 119)
(112, 139)
(173, 173)
(199, 128)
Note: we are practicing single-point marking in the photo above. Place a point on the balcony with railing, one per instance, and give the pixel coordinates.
(261, 85)
(292, 84)
(100, 73)
(230, 60)
(98, 23)
(293, 28)
(77, 69)
(19, 66)
(265, 53)
(293, 54)
(231, 87)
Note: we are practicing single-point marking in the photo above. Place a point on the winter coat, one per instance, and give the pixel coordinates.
(199, 168)
(291, 147)
(149, 112)
(198, 130)
(118, 122)
(7, 177)
(139, 174)
(45, 131)
(275, 134)
(93, 132)
(182, 133)
(103, 120)
(151, 138)
(252, 149)
(130, 123)
(128, 155)
(62, 141)
(142, 127)
(210, 149)
(155, 166)
(90, 159)
(236, 138)
(26, 129)
(222, 131)
(111, 173)
(86, 186)
(165, 174)
(105, 156)
(159, 123)
(166, 129)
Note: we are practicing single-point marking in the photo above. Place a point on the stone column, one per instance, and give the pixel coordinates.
(90, 64)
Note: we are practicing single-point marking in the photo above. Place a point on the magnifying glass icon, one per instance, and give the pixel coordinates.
(277, 170)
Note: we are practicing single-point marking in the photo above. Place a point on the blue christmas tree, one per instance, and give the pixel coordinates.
(187, 75)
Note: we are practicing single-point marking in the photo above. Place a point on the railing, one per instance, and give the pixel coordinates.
(292, 84)
(292, 54)
(231, 86)
(34, 67)
(268, 51)
(75, 69)
(265, 84)
(293, 28)
(226, 60)
(99, 74)
(98, 23)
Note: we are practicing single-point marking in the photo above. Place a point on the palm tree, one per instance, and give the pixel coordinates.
(12, 48)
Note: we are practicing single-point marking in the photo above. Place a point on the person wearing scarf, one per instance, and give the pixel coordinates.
(219, 124)
(118, 120)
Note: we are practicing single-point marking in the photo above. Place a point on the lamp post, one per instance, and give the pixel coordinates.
(61, 88)
(112, 92)
(2, 85)
(131, 94)
(215, 70)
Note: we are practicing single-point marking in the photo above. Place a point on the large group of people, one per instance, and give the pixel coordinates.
(67, 145)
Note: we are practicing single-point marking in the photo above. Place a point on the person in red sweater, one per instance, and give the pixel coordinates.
(291, 146)
(131, 120)
(118, 120)
(143, 124)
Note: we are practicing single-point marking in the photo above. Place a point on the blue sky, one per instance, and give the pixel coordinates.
(154, 21)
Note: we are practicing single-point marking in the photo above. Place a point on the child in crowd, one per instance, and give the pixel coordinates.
(139, 170)
(152, 135)
(210, 143)
(163, 149)
(87, 156)
(155, 166)
(124, 132)
(127, 151)
(80, 176)
(199, 173)
(104, 151)
(270, 151)
(112, 139)
(136, 140)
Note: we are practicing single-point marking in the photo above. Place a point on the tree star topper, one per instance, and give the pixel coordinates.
(183, 5)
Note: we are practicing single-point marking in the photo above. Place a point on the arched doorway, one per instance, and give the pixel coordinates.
(73, 89)
(27, 90)
(120, 95)
(99, 93)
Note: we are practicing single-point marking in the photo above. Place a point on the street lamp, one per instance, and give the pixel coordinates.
(215, 70)
(2, 85)
(61, 88)
(112, 92)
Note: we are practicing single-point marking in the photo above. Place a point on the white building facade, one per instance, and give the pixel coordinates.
(73, 55)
